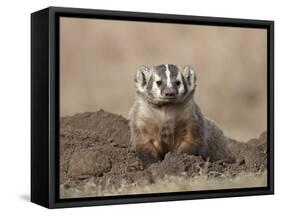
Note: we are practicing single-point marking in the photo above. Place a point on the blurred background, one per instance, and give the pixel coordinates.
(98, 60)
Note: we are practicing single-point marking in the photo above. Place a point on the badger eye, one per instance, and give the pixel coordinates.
(159, 82)
(178, 83)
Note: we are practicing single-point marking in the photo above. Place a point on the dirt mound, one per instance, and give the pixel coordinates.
(94, 151)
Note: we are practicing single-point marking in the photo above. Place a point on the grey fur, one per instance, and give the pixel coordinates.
(160, 124)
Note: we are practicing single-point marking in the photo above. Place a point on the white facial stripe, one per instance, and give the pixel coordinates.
(179, 76)
(156, 77)
(168, 75)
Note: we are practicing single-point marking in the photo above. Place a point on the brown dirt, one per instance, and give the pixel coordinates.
(94, 149)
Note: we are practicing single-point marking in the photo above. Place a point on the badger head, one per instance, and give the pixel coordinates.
(165, 84)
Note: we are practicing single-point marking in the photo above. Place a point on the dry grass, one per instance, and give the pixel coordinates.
(171, 184)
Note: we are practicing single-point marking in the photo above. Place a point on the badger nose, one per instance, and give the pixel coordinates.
(170, 92)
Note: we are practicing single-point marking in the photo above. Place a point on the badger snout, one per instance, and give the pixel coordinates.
(170, 92)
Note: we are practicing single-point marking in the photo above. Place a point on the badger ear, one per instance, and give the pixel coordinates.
(142, 77)
(190, 76)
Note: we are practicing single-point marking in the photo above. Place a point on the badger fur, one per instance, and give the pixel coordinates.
(165, 117)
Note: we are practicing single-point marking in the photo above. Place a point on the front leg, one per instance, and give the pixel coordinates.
(192, 141)
(146, 146)
(148, 153)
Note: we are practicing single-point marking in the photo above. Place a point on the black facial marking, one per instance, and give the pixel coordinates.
(143, 80)
(184, 84)
(161, 71)
(162, 87)
(160, 68)
(175, 87)
(149, 85)
(173, 71)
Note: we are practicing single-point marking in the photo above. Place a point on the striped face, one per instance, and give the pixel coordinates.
(165, 83)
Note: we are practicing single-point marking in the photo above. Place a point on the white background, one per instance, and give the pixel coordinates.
(15, 107)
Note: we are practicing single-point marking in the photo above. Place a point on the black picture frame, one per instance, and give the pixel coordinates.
(45, 106)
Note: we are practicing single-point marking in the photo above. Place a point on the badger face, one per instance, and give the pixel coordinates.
(165, 83)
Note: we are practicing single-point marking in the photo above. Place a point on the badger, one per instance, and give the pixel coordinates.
(165, 118)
